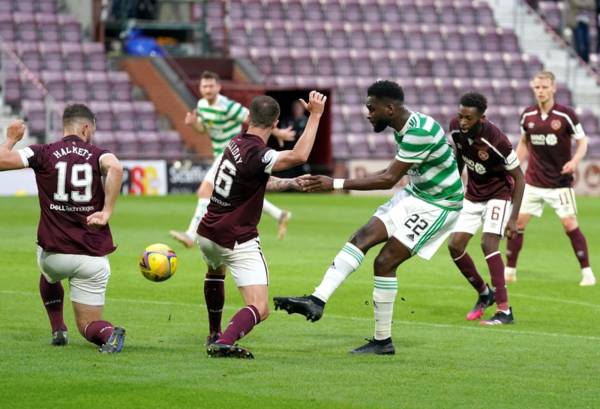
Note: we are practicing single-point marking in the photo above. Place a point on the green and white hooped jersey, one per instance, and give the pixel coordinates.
(434, 176)
(223, 120)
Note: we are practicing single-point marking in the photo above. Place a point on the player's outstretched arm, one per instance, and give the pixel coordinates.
(10, 159)
(517, 197)
(113, 171)
(282, 184)
(299, 155)
(383, 180)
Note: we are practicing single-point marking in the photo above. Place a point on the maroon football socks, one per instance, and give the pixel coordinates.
(513, 247)
(240, 325)
(496, 266)
(467, 268)
(214, 295)
(98, 332)
(53, 296)
(580, 247)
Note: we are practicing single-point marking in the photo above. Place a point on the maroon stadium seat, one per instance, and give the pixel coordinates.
(35, 112)
(70, 28)
(99, 85)
(73, 56)
(54, 82)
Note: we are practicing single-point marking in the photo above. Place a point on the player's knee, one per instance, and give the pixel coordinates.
(569, 223)
(489, 246)
(384, 264)
(455, 248)
(364, 239)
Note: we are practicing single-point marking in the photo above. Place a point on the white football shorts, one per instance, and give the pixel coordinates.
(246, 261)
(211, 174)
(87, 275)
(561, 199)
(420, 226)
(493, 214)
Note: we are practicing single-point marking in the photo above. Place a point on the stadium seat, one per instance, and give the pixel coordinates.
(94, 56)
(99, 85)
(128, 145)
(106, 140)
(54, 82)
(78, 89)
(35, 112)
(73, 56)
(48, 30)
(26, 27)
(104, 117)
(70, 28)
(52, 56)
(145, 115)
(124, 115)
(120, 85)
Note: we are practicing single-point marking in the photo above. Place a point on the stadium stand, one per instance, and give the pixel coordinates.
(435, 49)
(347, 45)
(50, 46)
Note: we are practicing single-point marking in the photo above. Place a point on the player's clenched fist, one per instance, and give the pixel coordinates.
(16, 130)
(190, 118)
(316, 102)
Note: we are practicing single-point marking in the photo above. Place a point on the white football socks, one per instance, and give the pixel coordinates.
(384, 295)
(201, 209)
(272, 210)
(346, 261)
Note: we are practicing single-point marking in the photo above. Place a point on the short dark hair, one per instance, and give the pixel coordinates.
(264, 110)
(474, 100)
(73, 112)
(210, 75)
(386, 89)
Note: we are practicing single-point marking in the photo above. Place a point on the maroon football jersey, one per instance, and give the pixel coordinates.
(488, 156)
(548, 139)
(67, 173)
(237, 200)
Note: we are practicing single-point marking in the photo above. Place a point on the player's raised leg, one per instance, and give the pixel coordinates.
(345, 263)
(204, 191)
(53, 297)
(457, 246)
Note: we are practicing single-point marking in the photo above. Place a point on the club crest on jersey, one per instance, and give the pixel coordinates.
(531, 125)
(483, 155)
(555, 124)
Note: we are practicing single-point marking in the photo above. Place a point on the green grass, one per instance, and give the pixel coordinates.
(549, 359)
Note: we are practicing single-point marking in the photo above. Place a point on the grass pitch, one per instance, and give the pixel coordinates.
(549, 359)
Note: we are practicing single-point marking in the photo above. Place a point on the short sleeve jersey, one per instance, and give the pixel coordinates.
(223, 120)
(548, 138)
(488, 156)
(434, 175)
(240, 183)
(69, 181)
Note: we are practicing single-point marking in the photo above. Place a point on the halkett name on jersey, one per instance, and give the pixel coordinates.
(59, 153)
